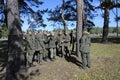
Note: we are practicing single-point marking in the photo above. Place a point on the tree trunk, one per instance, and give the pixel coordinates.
(116, 18)
(79, 23)
(106, 26)
(16, 56)
(63, 19)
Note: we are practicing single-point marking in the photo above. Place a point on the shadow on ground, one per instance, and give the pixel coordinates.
(73, 59)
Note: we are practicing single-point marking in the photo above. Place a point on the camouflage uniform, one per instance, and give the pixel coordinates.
(30, 39)
(52, 46)
(60, 45)
(72, 40)
(39, 47)
(85, 49)
(45, 40)
(66, 39)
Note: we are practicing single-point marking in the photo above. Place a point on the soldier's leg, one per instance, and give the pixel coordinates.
(73, 44)
(51, 53)
(35, 56)
(27, 57)
(40, 57)
(83, 55)
(60, 51)
(54, 53)
(63, 51)
(45, 54)
(30, 57)
(88, 60)
(66, 50)
(69, 51)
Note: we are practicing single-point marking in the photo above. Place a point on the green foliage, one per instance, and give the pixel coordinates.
(3, 31)
(70, 12)
(26, 10)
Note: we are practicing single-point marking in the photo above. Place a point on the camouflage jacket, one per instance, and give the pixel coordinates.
(52, 41)
(85, 43)
(30, 42)
(39, 42)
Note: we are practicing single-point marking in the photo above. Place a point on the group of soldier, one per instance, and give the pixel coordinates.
(43, 46)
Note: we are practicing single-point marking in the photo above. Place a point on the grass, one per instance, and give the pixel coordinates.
(105, 50)
(105, 62)
(105, 59)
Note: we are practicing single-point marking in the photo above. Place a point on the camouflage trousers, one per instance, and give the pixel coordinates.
(52, 53)
(67, 50)
(30, 56)
(61, 51)
(38, 55)
(86, 62)
(45, 53)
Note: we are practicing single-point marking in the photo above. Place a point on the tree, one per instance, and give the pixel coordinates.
(62, 15)
(70, 13)
(79, 22)
(25, 8)
(107, 5)
(58, 15)
(16, 55)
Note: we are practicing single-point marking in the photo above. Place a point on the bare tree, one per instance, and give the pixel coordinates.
(16, 57)
(62, 15)
(106, 5)
(79, 23)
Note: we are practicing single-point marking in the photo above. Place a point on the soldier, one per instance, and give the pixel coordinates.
(30, 39)
(25, 47)
(45, 40)
(60, 45)
(39, 47)
(85, 49)
(52, 46)
(66, 40)
(72, 40)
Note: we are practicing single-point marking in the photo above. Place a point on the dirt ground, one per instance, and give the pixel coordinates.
(60, 69)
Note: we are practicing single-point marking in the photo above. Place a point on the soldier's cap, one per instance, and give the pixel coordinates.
(85, 32)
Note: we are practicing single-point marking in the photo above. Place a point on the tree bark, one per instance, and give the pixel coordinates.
(16, 56)
(106, 25)
(79, 23)
(63, 19)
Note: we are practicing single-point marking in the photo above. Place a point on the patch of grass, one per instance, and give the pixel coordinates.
(105, 65)
(105, 62)
(104, 50)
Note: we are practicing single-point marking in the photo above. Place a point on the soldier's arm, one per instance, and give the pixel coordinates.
(89, 40)
(28, 43)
